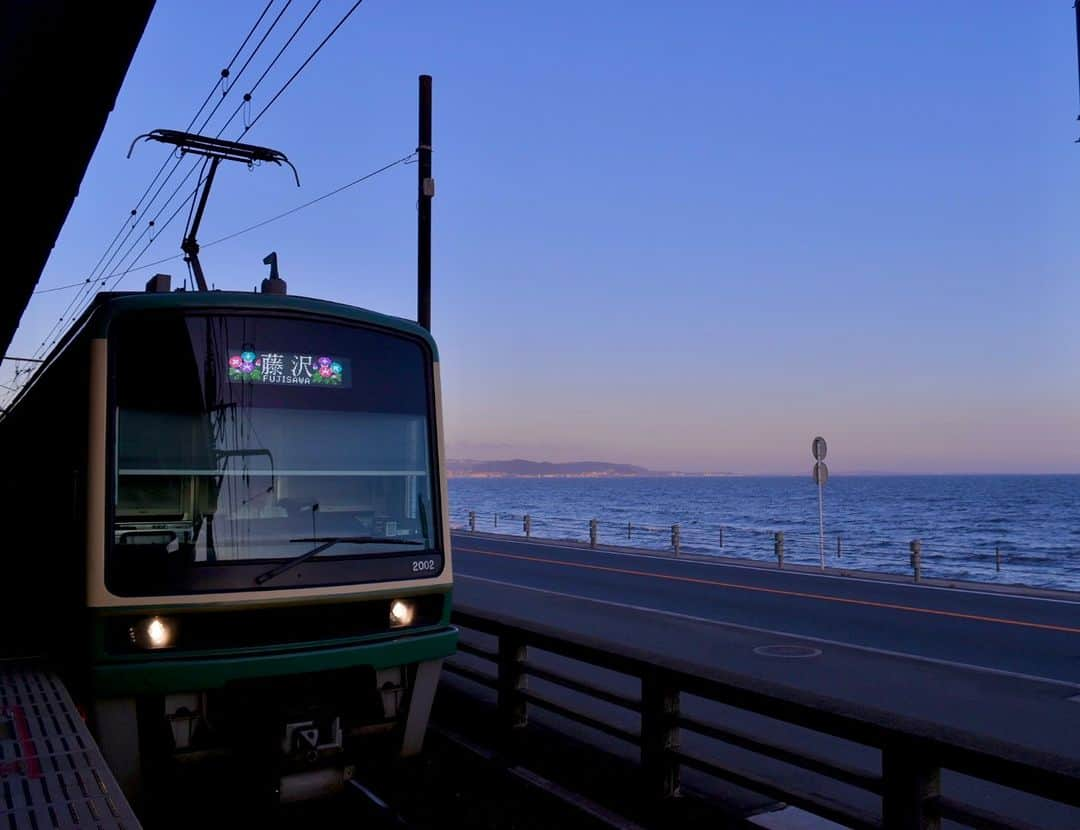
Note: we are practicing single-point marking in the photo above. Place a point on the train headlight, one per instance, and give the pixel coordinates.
(402, 612)
(154, 633)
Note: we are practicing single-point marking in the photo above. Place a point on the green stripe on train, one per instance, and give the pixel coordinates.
(177, 675)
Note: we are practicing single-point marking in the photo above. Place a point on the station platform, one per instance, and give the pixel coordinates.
(52, 774)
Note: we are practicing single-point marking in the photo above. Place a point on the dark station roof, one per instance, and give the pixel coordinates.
(61, 67)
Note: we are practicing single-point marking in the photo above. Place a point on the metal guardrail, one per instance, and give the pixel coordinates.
(922, 557)
(913, 752)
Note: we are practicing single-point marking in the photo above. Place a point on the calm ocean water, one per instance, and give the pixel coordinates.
(1034, 520)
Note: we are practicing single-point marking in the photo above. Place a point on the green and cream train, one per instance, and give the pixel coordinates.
(224, 517)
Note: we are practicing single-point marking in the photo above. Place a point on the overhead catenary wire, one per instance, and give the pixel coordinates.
(220, 83)
(276, 96)
(310, 57)
(281, 90)
(264, 222)
(87, 285)
(133, 215)
(179, 158)
(334, 192)
(152, 228)
(172, 258)
(243, 68)
(224, 74)
(247, 97)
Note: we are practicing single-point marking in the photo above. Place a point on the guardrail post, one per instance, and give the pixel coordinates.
(526, 524)
(659, 735)
(916, 558)
(778, 547)
(676, 534)
(909, 782)
(472, 521)
(593, 531)
(512, 680)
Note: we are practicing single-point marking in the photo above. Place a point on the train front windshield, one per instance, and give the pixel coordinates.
(243, 442)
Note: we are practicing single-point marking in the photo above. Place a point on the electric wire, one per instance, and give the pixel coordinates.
(249, 228)
(334, 192)
(310, 57)
(240, 73)
(223, 75)
(247, 128)
(247, 96)
(179, 161)
(49, 338)
(278, 94)
(285, 86)
(150, 227)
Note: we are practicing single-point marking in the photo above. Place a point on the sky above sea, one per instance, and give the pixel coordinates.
(688, 236)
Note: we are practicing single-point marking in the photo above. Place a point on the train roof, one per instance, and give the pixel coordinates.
(94, 322)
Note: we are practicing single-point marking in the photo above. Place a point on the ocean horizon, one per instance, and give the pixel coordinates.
(966, 523)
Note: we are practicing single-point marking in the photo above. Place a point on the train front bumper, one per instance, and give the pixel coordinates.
(167, 675)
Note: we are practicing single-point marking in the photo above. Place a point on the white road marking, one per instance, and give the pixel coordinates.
(751, 565)
(776, 633)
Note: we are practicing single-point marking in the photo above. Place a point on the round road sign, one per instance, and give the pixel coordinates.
(818, 448)
(821, 472)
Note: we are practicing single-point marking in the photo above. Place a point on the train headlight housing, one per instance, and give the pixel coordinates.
(154, 633)
(402, 612)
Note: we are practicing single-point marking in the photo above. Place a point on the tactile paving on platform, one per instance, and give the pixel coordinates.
(52, 774)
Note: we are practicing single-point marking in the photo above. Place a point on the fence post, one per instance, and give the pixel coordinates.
(526, 524)
(721, 535)
(659, 735)
(778, 547)
(909, 782)
(676, 533)
(592, 533)
(496, 520)
(997, 557)
(628, 526)
(838, 546)
(916, 558)
(472, 521)
(512, 680)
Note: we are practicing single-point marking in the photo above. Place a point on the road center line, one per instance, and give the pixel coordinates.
(776, 633)
(866, 603)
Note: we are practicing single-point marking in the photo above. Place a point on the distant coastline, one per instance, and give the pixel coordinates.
(522, 468)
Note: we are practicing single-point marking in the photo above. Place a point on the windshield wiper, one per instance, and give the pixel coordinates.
(328, 542)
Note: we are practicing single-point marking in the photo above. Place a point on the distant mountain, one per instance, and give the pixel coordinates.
(519, 467)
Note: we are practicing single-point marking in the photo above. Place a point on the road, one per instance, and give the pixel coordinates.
(1006, 666)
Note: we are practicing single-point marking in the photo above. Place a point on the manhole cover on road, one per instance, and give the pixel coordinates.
(787, 651)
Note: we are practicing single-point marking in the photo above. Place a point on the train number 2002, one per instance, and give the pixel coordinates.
(419, 565)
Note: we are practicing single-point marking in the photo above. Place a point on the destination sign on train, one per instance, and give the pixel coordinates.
(289, 369)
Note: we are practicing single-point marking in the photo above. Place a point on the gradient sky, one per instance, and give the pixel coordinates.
(687, 235)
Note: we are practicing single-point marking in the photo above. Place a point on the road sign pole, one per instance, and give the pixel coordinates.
(821, 522)
(818, 449)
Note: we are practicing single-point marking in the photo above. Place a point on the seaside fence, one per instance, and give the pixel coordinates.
(918, 557)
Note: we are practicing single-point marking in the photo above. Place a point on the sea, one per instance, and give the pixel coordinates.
(1007, 529)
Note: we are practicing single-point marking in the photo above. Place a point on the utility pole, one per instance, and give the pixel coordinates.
(425, 191)
(1076, 6)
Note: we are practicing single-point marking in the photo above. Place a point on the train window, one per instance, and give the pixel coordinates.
(227, 444)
